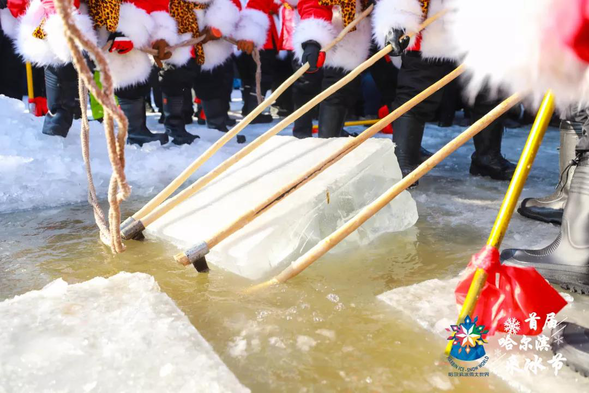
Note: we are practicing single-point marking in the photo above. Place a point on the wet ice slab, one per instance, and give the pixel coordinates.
(296, 224)
(120, 334)
(432, 305)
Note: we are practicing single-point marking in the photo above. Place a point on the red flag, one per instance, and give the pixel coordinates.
(510, 292)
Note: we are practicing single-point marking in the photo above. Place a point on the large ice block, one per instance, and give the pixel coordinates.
(119, 334)
(299, 221)
(432, 305)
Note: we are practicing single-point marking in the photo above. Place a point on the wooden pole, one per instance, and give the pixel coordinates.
(367, 212)
(189, 257)
(176, 183)
(524, 166)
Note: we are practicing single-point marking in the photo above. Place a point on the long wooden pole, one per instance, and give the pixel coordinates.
(367, 212)
(192, 255)
(176, 183)
(509, 202)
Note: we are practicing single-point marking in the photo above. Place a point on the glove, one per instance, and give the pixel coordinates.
(160, 46)
(211, 34)
(38, 106)
(398, 40)
(313, 55)
(245, 46)
(120, 44)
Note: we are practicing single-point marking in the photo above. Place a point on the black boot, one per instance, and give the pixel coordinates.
(251, 102)
(216, 114)
(487, 159)
(407, 136)
(139, 134)
(331, 120)
(188, 106)
(174, 121)
(424, 154)
(63, 102)
(549, 209)
(572, 341)
(566, 261)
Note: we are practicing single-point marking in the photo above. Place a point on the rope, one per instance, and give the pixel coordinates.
(256, 57)
(118, 189)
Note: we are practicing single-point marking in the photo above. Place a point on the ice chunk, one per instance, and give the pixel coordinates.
(308, 215)
(432, 305)
(105, 335)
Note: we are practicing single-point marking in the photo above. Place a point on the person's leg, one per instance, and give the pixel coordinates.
(173, 81)
(550, 208)
(487, 159)
(304, 89)
(211, 88)
(61, 86)
(566, 261)
(284, 70)
(415, 76)
(132, 103)
(334, 109)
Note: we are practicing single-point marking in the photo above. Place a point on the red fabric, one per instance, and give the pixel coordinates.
(572, 23)
(17, 7)
(281, 17)
(150, 6)
(38, 106)
(157, 5)
(510, 292)
(382, 113)
(309, 9)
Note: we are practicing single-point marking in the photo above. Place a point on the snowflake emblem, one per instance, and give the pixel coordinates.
(558, 340)
(511, 326)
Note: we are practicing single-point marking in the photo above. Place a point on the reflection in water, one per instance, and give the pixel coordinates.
(323, 330)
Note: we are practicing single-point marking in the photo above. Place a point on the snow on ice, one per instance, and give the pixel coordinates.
(105, 335)
(38, 170)
(299, 222)
(432, 305)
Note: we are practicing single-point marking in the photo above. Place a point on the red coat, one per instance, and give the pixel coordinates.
(17, 7)
(281, 21)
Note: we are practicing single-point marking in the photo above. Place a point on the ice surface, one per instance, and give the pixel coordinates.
(37, 170)
(308, 215)
(432, 305)
(119, 334)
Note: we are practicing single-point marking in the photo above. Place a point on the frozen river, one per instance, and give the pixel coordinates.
(324, 330)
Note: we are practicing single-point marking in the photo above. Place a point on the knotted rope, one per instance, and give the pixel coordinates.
(118, 189)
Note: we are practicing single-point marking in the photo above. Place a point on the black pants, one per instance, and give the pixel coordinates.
(133, 92)
(309, 85)
(416, 75)
(208, 84)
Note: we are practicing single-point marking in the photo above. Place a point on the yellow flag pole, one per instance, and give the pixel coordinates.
(30, 88)
(509, 202)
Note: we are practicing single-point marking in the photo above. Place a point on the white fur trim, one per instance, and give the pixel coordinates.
(395, 14)
(312, 29)
(253, 26)
(353, 50)
(56, 37)
(223, 15)
(135, 24)
(129, 69)
(181, 55)
(437, 41)
(9, 23)
(30, 48)
(514, 45)
(216, 53)
(165, 28)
